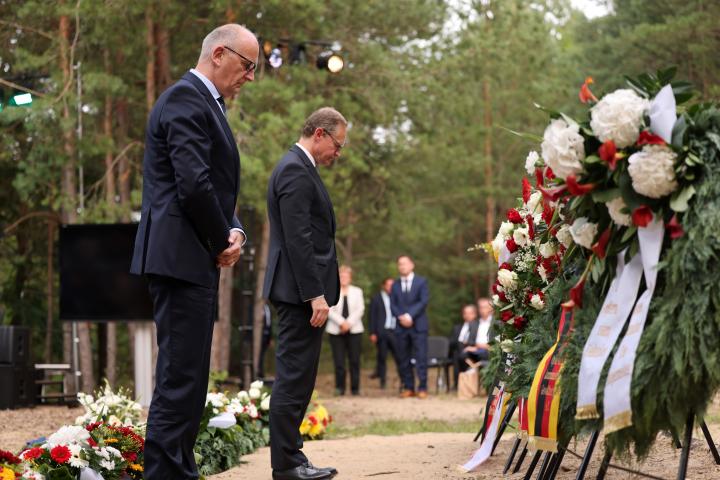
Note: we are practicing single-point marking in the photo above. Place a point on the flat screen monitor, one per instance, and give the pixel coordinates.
(95, 279)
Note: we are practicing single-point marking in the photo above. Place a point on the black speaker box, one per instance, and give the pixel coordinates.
(14, 345)
(17, 386)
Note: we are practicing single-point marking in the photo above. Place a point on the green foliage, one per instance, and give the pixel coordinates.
(220, 449)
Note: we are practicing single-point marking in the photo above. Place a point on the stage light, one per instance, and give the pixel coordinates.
(331, 61)
(21, 99)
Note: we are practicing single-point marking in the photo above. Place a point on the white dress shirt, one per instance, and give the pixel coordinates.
(464, 333)
(406, 282)
(390, 320)
(483, 333)
(312, 159)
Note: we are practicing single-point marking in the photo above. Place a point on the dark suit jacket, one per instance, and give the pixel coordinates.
(191, 176)
(414, 302)
(302, 262)
(377, 314)
(455, 343)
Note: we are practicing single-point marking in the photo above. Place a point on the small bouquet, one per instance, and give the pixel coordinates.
(117, 408)
(315, 423)
(10, 466)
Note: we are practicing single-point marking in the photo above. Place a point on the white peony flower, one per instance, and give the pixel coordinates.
(536, 302)
(68, 435)
(562, 148)
(265, 404)
(507, 279)
(614, 207)
(506, 229)
(521, 236)
(583, 232)
(564, 236)
(547, 250)
(530, 162)
(618, 116)
(653, 171)
(257, 384)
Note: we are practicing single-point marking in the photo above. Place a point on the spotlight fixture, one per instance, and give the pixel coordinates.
(331, 61)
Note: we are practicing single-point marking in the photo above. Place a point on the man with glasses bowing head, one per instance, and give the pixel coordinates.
(188, 231)
(302, 282)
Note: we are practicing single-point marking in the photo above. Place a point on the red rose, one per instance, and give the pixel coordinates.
(674, 228)
(519, 322)
(502, 297)
(608, 154)
(511, 245)
(325, 422)
(92, 442)
(60, 454)
(495, 287)
(507, 315)
(130, 456)
(33, 453)
(526, 189)
(553, 193)
(642, 216)
(514, 216)
(505, 266)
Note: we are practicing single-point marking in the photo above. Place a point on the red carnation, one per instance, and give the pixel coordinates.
(608, 154)
(514, 216)
(674, 228)
(505, 266)
(130, 456)
(519, 322)
(60, 454)
(549, 174)
(8, 458)
(531, 227)
(647, 138)
(642, 216)
(507, 315)
(526, 189)
(511, 245)
(33, 453)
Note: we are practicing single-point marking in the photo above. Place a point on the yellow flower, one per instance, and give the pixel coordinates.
(316, 430)
(111, 440)
(305, 427)
(6, 474)
(136, 467)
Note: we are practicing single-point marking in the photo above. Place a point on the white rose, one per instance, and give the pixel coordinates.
(564, 236)
(507, 345)
(497, 245)
(265, 404)
(547, 250)
(536, 302)
(243, 396)
(583, 232)
(653, 171)
(618, 116)
(254, 393)
(68, 435)
(507, 278)
(562, 148)
(614, 207)
(533, 201)
(506, 229)
(531, 161)
(257, 384)
(521, 236)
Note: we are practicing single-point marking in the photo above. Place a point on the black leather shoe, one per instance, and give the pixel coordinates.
(331, 470)
(301, 472)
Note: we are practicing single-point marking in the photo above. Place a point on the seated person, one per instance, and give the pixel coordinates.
(470, 340)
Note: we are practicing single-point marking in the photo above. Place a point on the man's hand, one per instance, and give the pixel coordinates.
(231, 255)
(405, 320)
(373, 338)
(320, 310)
(345, 327)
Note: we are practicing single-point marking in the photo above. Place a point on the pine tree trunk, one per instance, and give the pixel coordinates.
(220, 358)
(162, 40)
(258, 308)
(107, 131)
(47, 354)
(150, 52)
(489, 180)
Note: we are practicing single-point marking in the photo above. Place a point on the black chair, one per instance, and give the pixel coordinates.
(439, 357)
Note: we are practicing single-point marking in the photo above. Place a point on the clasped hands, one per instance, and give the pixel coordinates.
(231, 254)
(405, 320)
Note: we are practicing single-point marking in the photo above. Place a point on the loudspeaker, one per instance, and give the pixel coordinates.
(18, 386)
(14, 345)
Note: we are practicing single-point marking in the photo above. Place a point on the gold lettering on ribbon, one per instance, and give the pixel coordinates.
(638, 309)
(610, 309)
(617, 375)
(604, 331)
(549, 390)
(551, 376)
(596, 351)
(633, 329)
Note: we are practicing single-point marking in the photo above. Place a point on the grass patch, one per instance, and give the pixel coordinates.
(400, 427)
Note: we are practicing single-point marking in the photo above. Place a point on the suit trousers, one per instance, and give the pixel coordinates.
(184, 316)
(386, 343)
(296, 364)
(460, 356)
(347, 345)
(412, 345)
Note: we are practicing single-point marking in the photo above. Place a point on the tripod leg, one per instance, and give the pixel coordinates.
(520, 460)
(503, 425)
(604, 465)
(588, 454)
(510, 459)
(533, 463)
(544, 466)
(710, 442)
(685, 455)
(481, 432)
(554, 467)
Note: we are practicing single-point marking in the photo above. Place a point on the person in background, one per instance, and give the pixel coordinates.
(345, 329)
(462, 340)
(382, 329)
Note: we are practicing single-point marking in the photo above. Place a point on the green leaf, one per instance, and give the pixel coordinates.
(678, 132)
(679, 200)
(550, 111)
(592, 159)
(527, 136)
(664, 76)
(603, 196)
(629, 232)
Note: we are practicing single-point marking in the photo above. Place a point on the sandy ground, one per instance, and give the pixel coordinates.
(417, 456)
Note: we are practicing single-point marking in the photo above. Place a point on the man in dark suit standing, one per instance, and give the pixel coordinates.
(188, 230)
(302, 282)
(382, 329)
(408, 302)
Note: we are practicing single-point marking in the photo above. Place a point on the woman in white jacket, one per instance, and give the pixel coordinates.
(345, 328)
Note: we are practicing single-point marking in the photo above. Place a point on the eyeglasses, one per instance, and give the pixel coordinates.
(338, 145)
(250, 67)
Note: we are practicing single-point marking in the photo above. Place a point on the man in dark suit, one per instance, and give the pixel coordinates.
(188, 230)
(408, 301)
(301, 282)
(463, 339)
(382, 329)
(266, 341)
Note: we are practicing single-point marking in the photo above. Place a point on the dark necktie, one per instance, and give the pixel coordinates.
(221, 101)
(345, 311)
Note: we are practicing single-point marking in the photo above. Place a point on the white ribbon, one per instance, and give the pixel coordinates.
(610, 321)
(90, 474)
(616, 403)
(485, 450)
(663, 114)
(224, 420)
